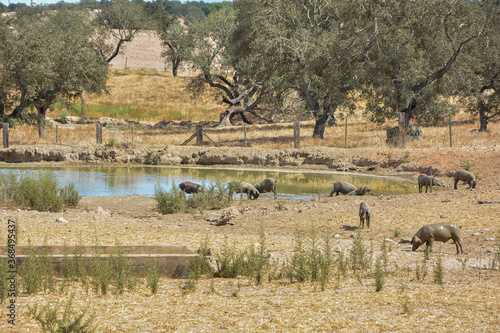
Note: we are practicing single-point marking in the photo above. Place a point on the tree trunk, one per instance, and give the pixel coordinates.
(483, 118)
(175, 66)
(320, 125)
(42, 130)
(402, 129)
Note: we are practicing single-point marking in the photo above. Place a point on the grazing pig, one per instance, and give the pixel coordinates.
(441, 232)
(342, 187)
(360, 191)
(465, 176)
(364, 214)
(190, 187)
(267, 185)
(241, 187)
(424, 180)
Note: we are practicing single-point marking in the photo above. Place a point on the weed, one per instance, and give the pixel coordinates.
(396, 232)
(379, 274)
(153, 277)
(463, 262)
(358, 254)
(4, 282)
(403, 287)
(406, 159)
(438, 270)
(280, 206)
(406, 308)
(466, 165)
(69, 195)
(258, 259)
(111, 142)
(37, 271)
(230, 261)
(169, 202)
(47, 316)
(427, 252)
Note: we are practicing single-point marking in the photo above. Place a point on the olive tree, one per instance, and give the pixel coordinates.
(418, 44)
(176, 41)
(117, 23)
(306, 48)
(47, 57)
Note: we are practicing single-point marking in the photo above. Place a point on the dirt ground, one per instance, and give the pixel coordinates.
(468, 301)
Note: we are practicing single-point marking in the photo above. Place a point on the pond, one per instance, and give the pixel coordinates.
(141, 180)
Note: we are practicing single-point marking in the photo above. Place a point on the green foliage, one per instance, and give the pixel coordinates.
(38, 191)
(359, 254)
(466, 165)
(48, 317)
(70, 195)
(37, 271)
(4, 282)
(215, 196)
(111, 142)
(408, 310)
(438, 270)
(230, 261)
(258, 259)
(396, 232)
(153, 277)
(379, 274)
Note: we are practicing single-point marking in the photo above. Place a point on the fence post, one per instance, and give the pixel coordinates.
(199, 135)
(57, 134)
(245, 130)
(345, 140)
(296, 134)
(6, 135)
(98, 133)
(451, 146)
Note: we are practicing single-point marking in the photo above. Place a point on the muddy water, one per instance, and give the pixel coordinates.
(141, 180)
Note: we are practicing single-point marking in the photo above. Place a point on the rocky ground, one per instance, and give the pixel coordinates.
(468, 300)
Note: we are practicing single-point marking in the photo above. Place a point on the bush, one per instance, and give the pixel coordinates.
(70, 195)
(38, 192)
(47, 316)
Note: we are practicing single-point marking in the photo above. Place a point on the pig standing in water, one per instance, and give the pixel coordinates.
(441, 232)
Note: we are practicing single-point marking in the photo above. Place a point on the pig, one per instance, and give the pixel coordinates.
(360, 191)
(242, 187)
(267, 185)
(364, 214)
(190, 187)
(342, 187)
(424, 180)
(441, 232)
(465, 176)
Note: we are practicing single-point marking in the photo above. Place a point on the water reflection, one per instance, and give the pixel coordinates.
(141, 180)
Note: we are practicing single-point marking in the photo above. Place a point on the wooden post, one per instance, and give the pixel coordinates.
(6, 135)
(296, 134)
(57, 134)
(99, 133)
(245, 130)
(345, 140)
(199, 135)
(450, 132)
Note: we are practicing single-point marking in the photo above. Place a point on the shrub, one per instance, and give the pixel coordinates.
(47, 316)
(153, 277)
(438, 271)
(70, 195)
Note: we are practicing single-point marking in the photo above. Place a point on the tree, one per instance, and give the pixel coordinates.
(417, 46)
(117, 23)
(480, 90)
(48, 57)
(212, 55)
(310, 48)
(175, 38)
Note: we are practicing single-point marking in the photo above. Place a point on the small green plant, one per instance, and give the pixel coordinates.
(463, 262)
(4, 282)
(70, 195)
(258, 259)
(427, 252)
(64, 114)
(48, 317)
(438, 271)
(37, 271)
(403, 287)
(111, 142)
(230, 261)
(280, 206)
(421, 271)
(396, 232)
(153, 277)
(466, 165)
(358, 255)
(379, 275)
(407, 157)
(408, 310)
